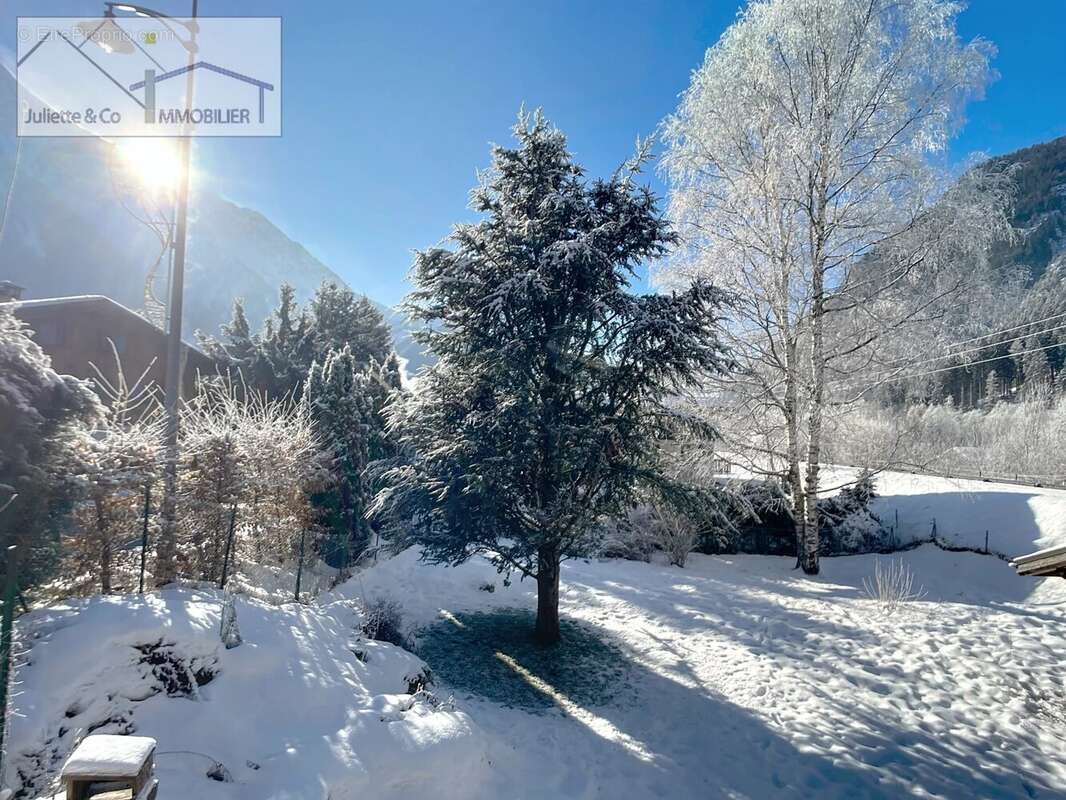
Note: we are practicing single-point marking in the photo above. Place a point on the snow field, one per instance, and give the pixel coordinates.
(751, 681)
(1018, 519)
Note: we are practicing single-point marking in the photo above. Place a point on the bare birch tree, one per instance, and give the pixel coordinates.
(802, 163)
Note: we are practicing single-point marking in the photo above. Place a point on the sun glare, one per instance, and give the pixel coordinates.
(154, 163)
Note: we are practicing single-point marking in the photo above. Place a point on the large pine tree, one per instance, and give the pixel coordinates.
(544, 411)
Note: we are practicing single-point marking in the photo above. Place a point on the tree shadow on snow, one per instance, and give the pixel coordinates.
(610, 724)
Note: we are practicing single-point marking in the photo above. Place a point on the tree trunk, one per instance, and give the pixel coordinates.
(795, 483)
(300, 565)
(349, 531)
(547, 630)
(814, 427)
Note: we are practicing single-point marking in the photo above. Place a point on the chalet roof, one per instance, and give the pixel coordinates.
(1049, 562)
(100, 300)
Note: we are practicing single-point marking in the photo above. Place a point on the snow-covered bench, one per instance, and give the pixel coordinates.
(106, 767)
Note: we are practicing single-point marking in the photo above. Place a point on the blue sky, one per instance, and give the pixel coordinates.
(389, 108)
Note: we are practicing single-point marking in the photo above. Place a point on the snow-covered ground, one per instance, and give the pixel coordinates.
(1018, 519)
(751, 681)
(743, 679)
(304, 709)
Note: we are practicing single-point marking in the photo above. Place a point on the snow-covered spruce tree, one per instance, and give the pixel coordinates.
(1036, 369)
(993, 388)
(801, 175)
(545, 409)
(341, 318)
(277, 359)
(339, 402)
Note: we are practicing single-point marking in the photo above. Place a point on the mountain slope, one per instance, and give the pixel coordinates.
(1039, 176)
(67, 232)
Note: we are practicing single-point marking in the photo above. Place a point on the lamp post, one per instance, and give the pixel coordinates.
(167, 545)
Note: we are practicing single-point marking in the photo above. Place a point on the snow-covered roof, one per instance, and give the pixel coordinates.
(88, 299)
(107, 755)
(1049, 552)
(74, 298)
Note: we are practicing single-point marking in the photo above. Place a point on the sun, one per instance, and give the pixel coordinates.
(154, 163)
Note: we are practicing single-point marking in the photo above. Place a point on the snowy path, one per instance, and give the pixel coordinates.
(750, 681)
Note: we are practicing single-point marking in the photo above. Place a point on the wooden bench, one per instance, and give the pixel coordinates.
(107, 767)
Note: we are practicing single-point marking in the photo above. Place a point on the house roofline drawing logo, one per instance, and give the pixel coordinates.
(143, 93)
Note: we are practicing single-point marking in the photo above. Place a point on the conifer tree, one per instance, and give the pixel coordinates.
(277, 359)
(993, 388)
(543, 413)
(37, 408)
(340, 403)
(1036, 369)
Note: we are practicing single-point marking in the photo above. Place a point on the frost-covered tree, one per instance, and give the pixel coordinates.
(36, 406)
(213, 478)
(249, 466)
(339, 401)
(545, 409)
(110, 465)
(801, 171)
(993, 388)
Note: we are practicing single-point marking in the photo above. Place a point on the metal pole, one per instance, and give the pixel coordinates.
(229, 544)
(166, 549)
(6, 629)
(300, 564)
(144, 533)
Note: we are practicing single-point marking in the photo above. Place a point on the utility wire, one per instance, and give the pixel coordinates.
(968, 364)
(978, 348)
(10, 188)
(1008, 330)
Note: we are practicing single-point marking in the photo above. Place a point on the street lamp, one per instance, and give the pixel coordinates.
(167, 546)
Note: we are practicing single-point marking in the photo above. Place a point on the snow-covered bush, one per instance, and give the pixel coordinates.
(761, 517)
(249, 466)
(629, 538)
(891, 585)
(383, 621)
(674, 533)
(848, 525)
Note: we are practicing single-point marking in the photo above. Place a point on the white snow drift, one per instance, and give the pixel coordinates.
(304, 709)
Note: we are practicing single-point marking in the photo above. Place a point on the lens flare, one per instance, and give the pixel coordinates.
(153, 163)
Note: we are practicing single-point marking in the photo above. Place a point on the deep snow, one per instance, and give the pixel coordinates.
(293, 713)
(751, 681)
